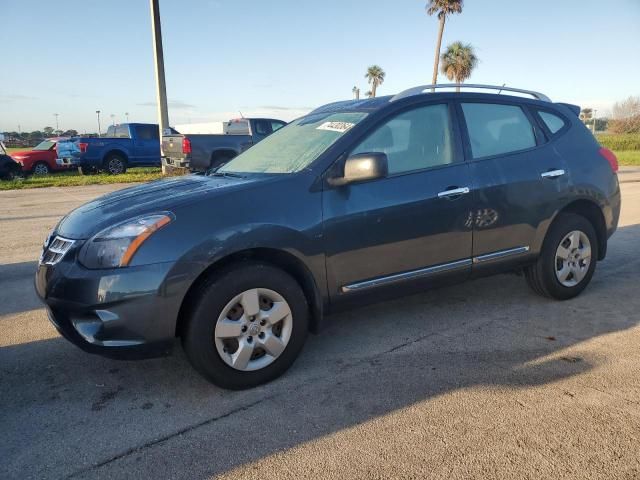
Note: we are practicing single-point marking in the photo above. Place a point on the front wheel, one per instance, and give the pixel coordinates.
(41, 168)
(247, 326)
(568, 258)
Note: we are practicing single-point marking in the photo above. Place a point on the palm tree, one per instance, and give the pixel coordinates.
(442, 8)
(458, 61)
(375, 76)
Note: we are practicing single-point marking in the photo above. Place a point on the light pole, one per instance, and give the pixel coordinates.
(126, 114)
(113, 121)
(98, 114)
(161, 87)
(356, 92)
(594, 120)
(56, 115)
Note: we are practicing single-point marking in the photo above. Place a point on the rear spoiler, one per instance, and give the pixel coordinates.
(574, 108)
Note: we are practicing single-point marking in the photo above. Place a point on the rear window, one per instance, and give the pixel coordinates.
(122, 131)
(496, 129)
(553, 122)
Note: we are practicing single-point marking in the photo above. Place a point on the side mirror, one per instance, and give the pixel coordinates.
(362, 167)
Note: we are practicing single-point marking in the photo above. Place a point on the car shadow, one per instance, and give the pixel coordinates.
(366, 364)
(16, 288)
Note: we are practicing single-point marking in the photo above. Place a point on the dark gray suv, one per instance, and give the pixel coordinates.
(355, 202)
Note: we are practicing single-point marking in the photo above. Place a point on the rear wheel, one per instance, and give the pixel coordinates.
(115, 164)
(568, 259)
(247, 326)
(219, 159)
(41, 168)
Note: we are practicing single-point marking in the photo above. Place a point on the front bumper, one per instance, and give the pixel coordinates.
(126, 313)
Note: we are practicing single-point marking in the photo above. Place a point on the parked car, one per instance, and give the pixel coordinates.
(125, 145)
(41, 159)
(205, 151)
(356, 202)
(9, 168)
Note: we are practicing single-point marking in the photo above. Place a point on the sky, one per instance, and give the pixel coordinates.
(281, 58)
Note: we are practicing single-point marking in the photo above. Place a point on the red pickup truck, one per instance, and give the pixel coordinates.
(41, 159)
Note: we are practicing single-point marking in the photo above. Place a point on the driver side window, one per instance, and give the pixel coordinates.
(413, 140)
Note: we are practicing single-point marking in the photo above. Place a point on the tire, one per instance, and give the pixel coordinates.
(87, 170)
(13, 172)
(555, 277)
(40, 168)
(115, 164)
(220, 331)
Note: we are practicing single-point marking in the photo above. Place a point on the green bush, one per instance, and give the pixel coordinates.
(622, 141)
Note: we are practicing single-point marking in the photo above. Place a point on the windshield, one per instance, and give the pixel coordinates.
(46, 145)
(295, 146)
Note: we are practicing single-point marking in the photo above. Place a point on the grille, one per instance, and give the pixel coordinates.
(57, 249)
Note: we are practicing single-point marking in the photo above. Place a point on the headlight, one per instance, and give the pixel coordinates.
(116, 246)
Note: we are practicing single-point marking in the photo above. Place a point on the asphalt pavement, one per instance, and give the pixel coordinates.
(480, 380)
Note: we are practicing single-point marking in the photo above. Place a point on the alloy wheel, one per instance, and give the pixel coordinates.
(40, 169)
(573, 257)
(115, 166)
(253, 329)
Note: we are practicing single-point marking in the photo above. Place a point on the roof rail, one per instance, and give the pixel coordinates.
(426, 88)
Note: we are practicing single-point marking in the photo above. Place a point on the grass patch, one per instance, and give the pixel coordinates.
(619, 141)
(74, 179)
(629, 157)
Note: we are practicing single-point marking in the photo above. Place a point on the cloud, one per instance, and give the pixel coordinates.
(176, 104)
(287, 109)
(15, 98)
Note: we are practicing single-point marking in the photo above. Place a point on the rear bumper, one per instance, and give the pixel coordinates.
(176, 162)
(119, 313)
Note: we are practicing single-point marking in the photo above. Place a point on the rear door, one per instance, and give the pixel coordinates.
(518, 180)
(146, 144)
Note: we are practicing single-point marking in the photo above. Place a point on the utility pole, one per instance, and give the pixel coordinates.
(56, 115)
(98, 114)
(161, 87)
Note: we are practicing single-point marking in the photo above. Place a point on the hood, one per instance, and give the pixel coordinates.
(24, 154)
(157, 196)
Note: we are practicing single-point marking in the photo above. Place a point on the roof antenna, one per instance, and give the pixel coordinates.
(500, 91)
(241, 115)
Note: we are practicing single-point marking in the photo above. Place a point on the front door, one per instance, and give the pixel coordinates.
(147, 144)
(414, 224)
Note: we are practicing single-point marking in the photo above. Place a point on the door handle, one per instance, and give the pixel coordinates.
(552, 174)
(453, 192)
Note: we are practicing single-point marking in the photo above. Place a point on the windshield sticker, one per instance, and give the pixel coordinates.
(336, 126)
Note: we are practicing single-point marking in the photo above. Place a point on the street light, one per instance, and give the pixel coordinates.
(126, 114)
(98, 114)
(56, 115)
(161, 88)
(113, 121)
(594, 120)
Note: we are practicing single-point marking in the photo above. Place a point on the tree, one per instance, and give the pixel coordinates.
(626, 116)
(70, 133)
(375, 76)
(458, 61)
(443, 8)
(48, 131)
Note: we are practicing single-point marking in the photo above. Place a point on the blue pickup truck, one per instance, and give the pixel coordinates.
(125, 145)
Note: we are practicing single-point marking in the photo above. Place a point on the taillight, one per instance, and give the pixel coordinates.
(186, 146)
(610, 157)
(83, 147)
